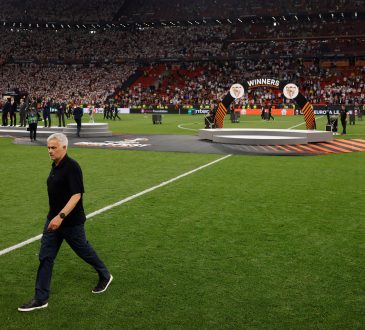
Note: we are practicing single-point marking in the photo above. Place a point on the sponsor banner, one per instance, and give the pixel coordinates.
(274, 112)
(199, 111)
(148, 110)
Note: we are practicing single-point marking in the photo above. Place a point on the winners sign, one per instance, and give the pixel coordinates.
(290, 91)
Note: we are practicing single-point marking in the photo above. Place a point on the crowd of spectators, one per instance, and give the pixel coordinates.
(65, 84)
(195, 9)
(193, 42)
(71, 65)
(213, 80)
(80, 44)
(59, 10)
(152, 10)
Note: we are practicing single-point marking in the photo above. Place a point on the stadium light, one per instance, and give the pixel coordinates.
(197, 22)
(229, 21)
(356, 14)
(296, 17)
(239, 20)
(218, 21)
(190, 23)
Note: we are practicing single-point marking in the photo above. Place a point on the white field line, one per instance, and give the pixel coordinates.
(303, 123)
(189, 129)
(125, 200)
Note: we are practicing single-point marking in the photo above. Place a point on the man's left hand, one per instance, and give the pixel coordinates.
(55, 223)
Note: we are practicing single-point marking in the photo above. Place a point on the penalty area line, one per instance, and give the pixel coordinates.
(125, 200)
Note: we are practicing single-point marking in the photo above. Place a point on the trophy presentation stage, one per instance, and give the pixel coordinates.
(250, 136)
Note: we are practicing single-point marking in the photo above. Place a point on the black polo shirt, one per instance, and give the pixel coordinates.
(64, 181)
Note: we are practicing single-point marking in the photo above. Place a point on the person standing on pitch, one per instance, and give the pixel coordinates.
(6, 110)
(65, 221)
(23, 113)
(61, 108)
(13, 114)
(32, 118)
(343, 117)
(78, 113)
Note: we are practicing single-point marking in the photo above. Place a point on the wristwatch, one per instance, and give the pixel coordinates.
(62, 215)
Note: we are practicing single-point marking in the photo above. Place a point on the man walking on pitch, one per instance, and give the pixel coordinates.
(65, 221)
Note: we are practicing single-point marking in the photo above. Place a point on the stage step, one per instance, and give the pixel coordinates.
(235, 134)
(87, 130)
(259, 139)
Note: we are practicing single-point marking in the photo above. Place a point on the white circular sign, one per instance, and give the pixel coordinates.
(291, 91)
(237, 91)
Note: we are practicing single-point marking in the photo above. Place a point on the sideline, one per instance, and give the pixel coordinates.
(125, 200)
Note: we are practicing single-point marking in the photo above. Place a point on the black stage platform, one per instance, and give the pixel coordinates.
(193, 144)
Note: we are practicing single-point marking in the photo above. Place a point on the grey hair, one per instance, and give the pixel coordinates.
(60, 137)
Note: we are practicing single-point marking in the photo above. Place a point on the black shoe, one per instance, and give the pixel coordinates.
(102, 284)
(32, 305)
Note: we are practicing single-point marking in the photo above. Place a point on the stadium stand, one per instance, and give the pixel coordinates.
(182, 53)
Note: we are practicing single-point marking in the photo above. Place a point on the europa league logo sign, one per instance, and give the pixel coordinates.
(237, 91)
(291, 91)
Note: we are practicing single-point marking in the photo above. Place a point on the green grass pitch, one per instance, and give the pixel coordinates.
(250, 242)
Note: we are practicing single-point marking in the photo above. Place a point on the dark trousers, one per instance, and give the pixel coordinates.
(50, 245)
(61, 119)
(12, 118)
(33, 131)
(4, 119)
(22, 117)
(343, 122)
(45, 118)
(78, 122)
